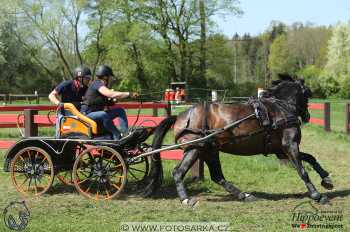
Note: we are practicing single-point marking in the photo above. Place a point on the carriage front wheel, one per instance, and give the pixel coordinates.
(32, 171)
(99, 173)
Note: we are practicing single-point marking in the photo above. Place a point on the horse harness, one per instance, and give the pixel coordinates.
(268, 123)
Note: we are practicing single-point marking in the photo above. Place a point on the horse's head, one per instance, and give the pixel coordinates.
(295, 93)
(304, 102)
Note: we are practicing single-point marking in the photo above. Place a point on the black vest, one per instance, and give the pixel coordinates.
(93, 99)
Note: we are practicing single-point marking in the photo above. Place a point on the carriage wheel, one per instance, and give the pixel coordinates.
(32, 171)
(66, 177)
(99, 173)
(137, 173)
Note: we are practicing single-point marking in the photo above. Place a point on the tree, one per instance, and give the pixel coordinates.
(338, 64)
(54, 24)
(179, 23)
(337, 69)
(203, 40)
(306, 43)
(280, 60)
(18, 70)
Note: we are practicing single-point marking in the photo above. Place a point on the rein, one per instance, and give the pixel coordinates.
(141, 100)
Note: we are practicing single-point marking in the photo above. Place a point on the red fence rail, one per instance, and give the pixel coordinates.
(326, 120)
(10, 121)
(125, 105)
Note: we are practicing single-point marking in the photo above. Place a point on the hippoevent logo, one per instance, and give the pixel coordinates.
(306, 216)
(16, 215)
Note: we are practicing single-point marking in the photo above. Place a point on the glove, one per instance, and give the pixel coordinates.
(60, 105)
(134, 95)
(111, 101)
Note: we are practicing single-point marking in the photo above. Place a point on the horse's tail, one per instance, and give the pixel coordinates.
(155, 175)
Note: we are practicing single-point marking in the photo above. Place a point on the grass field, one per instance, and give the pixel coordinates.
(278, 186)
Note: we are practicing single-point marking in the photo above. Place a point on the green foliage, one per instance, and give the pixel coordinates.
(18, 72)
(312, 76)
(337, 69)
(330, 86)
(245, 89)
(218, 58)
(280, 59)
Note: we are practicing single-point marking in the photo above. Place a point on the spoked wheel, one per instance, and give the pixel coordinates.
(66, 176)
(137, 173)
(99, 173)
(32, 171)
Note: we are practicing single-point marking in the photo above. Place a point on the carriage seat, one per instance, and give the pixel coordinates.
(75, 123)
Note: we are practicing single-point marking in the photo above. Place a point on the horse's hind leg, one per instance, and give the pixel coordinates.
(179, 173)
(213, 162)
(291, 147)
(326, 180)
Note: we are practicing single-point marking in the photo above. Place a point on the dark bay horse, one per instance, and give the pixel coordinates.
(272, 127)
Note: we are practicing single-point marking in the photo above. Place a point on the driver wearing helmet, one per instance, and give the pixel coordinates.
(72, 91)
(96, 101)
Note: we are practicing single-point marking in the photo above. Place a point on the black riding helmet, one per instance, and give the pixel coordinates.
(82, 71)
(104, 70)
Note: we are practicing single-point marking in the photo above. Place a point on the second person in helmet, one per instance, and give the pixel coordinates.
(96, 102)
(72, 91)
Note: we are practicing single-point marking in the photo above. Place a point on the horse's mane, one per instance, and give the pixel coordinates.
(284, 79)
(280, 85)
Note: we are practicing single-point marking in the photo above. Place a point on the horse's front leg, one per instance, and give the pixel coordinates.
(290, 143)
(326, 180)
(179, 172)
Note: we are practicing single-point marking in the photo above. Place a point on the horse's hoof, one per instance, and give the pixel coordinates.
(192, 202)
(315, 196)
(327, 183)
(247, 197)
(323, 200)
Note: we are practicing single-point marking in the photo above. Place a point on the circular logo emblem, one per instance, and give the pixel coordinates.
(16, 215)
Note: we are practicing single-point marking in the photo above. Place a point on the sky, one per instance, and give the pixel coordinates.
(259, 13)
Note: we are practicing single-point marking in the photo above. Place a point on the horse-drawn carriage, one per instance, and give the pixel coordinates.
(270, 125)
(82, 154)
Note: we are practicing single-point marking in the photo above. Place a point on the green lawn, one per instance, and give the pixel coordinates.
(278, 186)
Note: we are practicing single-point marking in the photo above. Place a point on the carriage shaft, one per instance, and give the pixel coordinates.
(175, 146)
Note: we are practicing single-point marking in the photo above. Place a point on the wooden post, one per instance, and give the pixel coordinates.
(347, 117)
(155, 112)
(30, 127)
(168, 110)
(198, 170)
(327, 116)
(10, 99)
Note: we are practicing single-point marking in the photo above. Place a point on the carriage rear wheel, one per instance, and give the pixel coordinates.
(32, 171)
(99, 173)
(137, 172)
